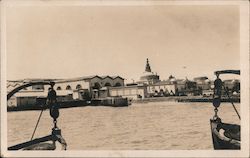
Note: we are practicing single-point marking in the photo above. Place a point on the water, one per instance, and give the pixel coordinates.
(156, 125)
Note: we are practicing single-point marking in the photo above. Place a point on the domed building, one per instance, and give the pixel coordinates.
(148, 77)
(203, 82)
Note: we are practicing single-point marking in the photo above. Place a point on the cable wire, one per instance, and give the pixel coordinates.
(231, 102)
(37, 124)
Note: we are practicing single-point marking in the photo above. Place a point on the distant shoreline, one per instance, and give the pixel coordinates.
(183, 99)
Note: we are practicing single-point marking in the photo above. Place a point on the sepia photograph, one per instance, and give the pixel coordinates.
(124, 78)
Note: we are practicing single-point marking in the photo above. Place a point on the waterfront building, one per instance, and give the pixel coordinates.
(74, 88)
(232, 85)
(172, 86)
(134, 92)
(163, 88)
(96, 87)
(203, 83)
(12, 84)
(140, 89)
(92, 86)
(149, 77)
(31, 98)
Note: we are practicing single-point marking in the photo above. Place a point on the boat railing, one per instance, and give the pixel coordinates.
(36, 144)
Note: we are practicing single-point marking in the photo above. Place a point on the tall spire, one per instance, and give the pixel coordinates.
(147, 69)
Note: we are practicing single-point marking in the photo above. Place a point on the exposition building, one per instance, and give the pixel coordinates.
(74, 88)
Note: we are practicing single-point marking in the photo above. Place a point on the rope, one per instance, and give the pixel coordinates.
(231, 102)
(37, 124)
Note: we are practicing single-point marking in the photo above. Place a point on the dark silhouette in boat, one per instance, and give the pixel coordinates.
(224, 135)
(41, 143)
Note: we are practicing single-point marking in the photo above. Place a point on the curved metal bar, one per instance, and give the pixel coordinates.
(56, 133)
(55, 136)
(11, 93)
(32, 142)
(237, 72)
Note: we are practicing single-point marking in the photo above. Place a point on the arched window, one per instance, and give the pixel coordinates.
(96, 86)
(68, 87)
(107, 84)
(78, 86)
(118, 84)
(59, 88)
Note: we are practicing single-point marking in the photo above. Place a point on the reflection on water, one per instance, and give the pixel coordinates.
(158, 125)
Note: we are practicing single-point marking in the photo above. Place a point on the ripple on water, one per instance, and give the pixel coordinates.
(158, 125)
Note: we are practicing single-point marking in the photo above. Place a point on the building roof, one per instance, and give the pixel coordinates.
(172, 81)
(231, 81)
(14, 83)
(163, 82)
(87, 78)
(200, 78)
(112, 77)
(129, 86)
(178, 81)
(77, 78)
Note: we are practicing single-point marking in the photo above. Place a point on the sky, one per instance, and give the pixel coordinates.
(75, 41)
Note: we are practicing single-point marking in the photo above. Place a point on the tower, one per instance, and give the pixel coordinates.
(147, 69)
(148, 76)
